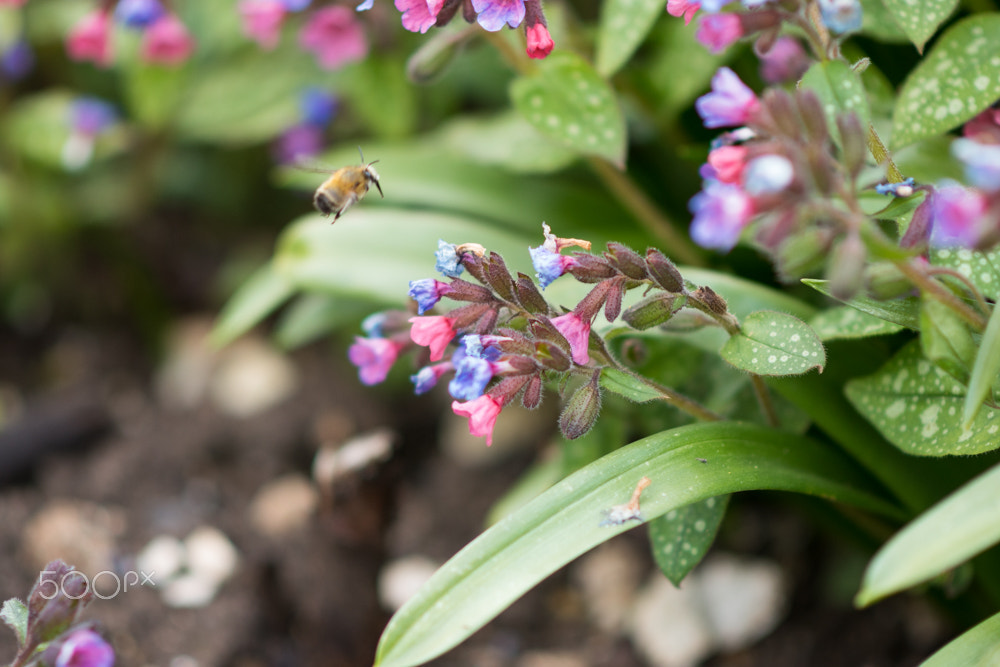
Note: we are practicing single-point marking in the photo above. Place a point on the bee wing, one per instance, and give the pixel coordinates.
(311, 168)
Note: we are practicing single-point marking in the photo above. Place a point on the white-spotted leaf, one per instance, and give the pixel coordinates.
(624, 25)
(840, 90)
(681, 537)
(981, 268)
(905, 311)
(567, 101)
(984, 369)
(918, 408)
(957, 79)
(773, 343)
(920, 19)
(845, 322)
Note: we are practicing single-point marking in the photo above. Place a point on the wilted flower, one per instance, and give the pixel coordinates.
(447, 260)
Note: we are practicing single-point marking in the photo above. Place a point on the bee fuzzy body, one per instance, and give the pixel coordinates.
(345, 187)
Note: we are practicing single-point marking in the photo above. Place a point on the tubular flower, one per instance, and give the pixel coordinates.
(167, 42)
(726, 164)
(85, 648)
(427, 377)
(418, 15)
(717, 31)
(730, 103)
(373, 357)
(262, 21)
(539, 40)
(684, 8)
(785, 61)
(482, 413)
(956, 213)
(472, 374)
(577, 331)
(427, 293)
(334, 36)
(139, 14)
(549, 265)
(493, 14)
(721, 211)
(433, 331)
(90, 39)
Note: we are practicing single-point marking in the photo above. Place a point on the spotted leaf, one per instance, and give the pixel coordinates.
(624, 24)
(681, 537)
(567, 101)
(847, 322)
(981, 268)
(918, 408)
(773, 343)
(919, 19)
(840, 90)
(959, 77)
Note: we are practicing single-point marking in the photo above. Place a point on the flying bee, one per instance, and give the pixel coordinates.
(346, 187)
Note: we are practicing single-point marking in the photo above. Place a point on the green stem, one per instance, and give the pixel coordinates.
(881, 155)
(676, 399)
(927, 284)
(764, 399)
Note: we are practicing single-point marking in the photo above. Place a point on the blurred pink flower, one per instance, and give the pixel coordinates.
(90, 39)
(482, 413)
(419, 15)
(262, 21)
(335, 36)
(12, 3)
(167, 42)
(373, 357)
(540, 42)
(684, 8)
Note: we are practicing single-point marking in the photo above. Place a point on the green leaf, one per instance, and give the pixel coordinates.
(920, 19)
(624, 25)
(505, 140)
(564, 522)
(256, 298)
(981, 268)
(681, 537)
(773, 343)
(984, 370)
(154, 92)
(567, 101)
(945, 339)
(905, 312)
(678, 68)
(382, 96)
(918, 408)
(878, 22)
(964, 524)
(628, 386)
(978, 647)
(847, 322)
(840, 90)
(15, 615)
(958, 78)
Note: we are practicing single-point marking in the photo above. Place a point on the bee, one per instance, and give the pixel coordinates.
(346, 187)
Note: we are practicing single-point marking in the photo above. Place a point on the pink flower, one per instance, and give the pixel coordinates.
(262, 21)
(482, 413)
(373, 357)
(433, 331)
(785, 61)
(335, 36)
(731, 102)
(85, 648)
(684, 8)
(984, 128)
(540, 42)
(419, 15)
(12, 3)
(958, 216)
(727, 163)
(167, 42)
(718, 31)
(577, 332)
(90, 39)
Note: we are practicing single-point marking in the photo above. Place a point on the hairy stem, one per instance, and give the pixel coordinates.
(927, 284)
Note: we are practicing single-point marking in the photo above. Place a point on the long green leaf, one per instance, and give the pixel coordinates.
(978, 647)
(962, 525)
(905, 312)
(256, 298)
(984, 370)
(565, 521)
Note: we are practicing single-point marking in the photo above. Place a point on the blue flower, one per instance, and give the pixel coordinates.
(721, 211)
(427, 293)
(957, 215)
(295, 5)
(365, 6)
(493, 14)
(481, 347)
(91, 116)
(427, 377)
(981, 162)
(548, 265)
(903, 189)
(841, 16)
(139, 14)
(373, 325)
(17, 61)
(472, 374)
(448, 262)
(318, 106)
(768, 174)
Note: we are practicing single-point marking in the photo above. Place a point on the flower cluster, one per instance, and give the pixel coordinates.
(165, 38)
(492, 15)
(304, 140)
(51, 633)
(506, 338)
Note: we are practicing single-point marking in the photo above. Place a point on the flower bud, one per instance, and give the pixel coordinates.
(845, 270)
(782, 119)
(591, 268)
(591, 304)
(919, 231)
(532, 396)
(528, 295)
(653, 310)
(55, 601)
(582, 410)
(811, 111)
(715, 303)
(663, 271)
(499, 278)
(552, 356)
(885, 281)
(627, 261)
(852, 142)
(613, 302)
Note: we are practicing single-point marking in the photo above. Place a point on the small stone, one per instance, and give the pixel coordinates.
(400, 579)
(609, 577)
(82, 534)
(210, 554)
(744, 598)
(666, 624)
(161, 558)
(251, 377)
(189, 591)
(182, 379)
(284, 505)
(552, 659)
(332, 463)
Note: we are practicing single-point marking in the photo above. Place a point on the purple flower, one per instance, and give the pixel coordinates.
(139, 14)
(482, 346)
(730, 103)
(299, 142)
(318, 106)
(472, 374)
(721, 211)
(373, 357)
(447, 261)
(418, 15)
(956, 214)
(493, 14)
(549, 265)
(427, 293)
(981, 162)
(717, 31)
(296, 5)
(768, 174)
(713, 6)
(785, 61)
(85, 648)
(427, 377)
(841, 16)
(17, 61)
(90, 116)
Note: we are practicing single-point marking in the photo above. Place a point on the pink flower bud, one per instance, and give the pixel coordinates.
(167, 42)
(90, 39)
(262, 21)
(334, 35)
(540, 42)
